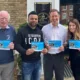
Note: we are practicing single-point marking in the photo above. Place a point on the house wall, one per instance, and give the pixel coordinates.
(17, 10)
(31, 4)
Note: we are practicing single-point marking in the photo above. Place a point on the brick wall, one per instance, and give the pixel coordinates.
(66, 13)
(17, 10)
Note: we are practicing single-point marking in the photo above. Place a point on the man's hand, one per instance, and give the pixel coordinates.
(11, 45)
(30, 51)
(44, 51)
(47, 46)
(61, 48)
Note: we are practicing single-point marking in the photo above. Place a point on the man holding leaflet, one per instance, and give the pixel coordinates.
(7, 34)
(25, 41)
(54, 59)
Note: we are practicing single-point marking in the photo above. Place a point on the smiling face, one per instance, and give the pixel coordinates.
(54, 18)
(72, 27)
(33, 20)
(4, 18)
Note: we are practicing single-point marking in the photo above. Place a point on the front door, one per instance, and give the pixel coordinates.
(43, 12)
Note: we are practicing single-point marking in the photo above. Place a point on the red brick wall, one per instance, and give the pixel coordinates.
(67, 11)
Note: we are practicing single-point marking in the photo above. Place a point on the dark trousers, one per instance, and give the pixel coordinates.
(75, 66)
(53, 62)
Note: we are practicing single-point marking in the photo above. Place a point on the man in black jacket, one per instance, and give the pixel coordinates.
(31, 64)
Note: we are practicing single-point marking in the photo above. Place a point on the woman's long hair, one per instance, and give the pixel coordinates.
(77, 31)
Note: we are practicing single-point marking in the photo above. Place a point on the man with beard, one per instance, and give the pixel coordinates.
(31, 64)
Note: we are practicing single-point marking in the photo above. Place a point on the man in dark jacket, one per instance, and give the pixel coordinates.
(7, 34)
(31, 64)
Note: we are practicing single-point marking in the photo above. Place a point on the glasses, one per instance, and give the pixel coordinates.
(3, 19)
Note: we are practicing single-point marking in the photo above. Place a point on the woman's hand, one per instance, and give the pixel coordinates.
(78, 49)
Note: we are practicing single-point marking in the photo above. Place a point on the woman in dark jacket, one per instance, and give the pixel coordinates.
(74, 54)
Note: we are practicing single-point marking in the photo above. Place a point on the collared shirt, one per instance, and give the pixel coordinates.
(5, 27)
(54, 33)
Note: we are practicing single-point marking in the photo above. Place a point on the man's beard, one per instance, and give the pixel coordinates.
(32, 24)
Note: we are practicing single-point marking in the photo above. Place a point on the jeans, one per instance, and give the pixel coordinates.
(31, 71)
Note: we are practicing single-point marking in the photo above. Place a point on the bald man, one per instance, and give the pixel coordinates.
(7, 34)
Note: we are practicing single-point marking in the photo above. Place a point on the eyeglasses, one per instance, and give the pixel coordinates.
(2, 19)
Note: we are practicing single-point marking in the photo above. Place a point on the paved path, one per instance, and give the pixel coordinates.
(64, 79)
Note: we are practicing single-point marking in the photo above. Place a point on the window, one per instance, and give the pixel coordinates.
(64, 8)
(64, 16)
(70, 13)
(70, 7)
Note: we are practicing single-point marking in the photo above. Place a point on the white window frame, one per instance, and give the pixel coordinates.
(70, 7)
(64, 15)
(64, 8)
(70, 13)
